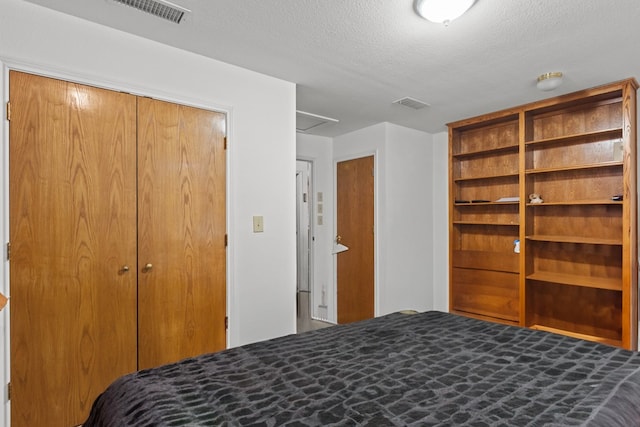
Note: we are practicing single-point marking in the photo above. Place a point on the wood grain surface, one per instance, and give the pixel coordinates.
(73, 228)
(99, 187)
(355, 225)
(181, 228)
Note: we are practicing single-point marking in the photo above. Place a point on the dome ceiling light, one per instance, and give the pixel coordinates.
(442, 11)
(549, 81)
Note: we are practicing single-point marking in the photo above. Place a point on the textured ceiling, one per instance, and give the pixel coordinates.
(351, 59)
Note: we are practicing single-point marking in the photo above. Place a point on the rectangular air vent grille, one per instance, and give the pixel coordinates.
(407, 101)
(160, 8)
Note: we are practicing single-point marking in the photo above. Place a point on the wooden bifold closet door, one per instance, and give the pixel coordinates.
(117, 224)
(181, 232)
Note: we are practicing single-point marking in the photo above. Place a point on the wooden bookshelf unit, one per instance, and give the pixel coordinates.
(566, 265)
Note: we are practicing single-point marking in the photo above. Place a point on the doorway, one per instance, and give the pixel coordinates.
(303, 225)
(355, 229)
(303, 245)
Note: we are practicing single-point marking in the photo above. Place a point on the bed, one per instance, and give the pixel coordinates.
(423, 369)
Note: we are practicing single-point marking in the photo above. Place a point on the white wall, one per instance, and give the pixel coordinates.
(261, 153)
(440, 206)
(409, 212)
(404, 251)
(361, 143)
(319, 150)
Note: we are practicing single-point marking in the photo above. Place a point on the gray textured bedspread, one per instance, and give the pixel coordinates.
(424, 369)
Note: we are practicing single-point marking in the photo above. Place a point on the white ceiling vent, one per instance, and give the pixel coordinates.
(306, 121)
(160, 8)
(416, 104)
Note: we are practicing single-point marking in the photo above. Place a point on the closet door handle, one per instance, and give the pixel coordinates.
(125, 268)
(148, 267)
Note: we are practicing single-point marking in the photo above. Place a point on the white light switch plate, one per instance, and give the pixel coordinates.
(258, 224)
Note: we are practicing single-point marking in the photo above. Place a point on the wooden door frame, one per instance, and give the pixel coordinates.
(376, 238)
(8, 64)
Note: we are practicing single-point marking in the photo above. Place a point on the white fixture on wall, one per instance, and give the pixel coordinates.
(549, 81)
(442, 11)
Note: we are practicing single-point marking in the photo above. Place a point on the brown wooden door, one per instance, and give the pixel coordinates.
(181, 228)
(72, 224)
(355, 226)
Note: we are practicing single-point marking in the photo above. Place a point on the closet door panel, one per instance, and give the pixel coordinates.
(181, 229)
(73, 230)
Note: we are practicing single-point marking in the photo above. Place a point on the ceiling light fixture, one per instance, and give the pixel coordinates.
(549, 81)
(442, 11)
